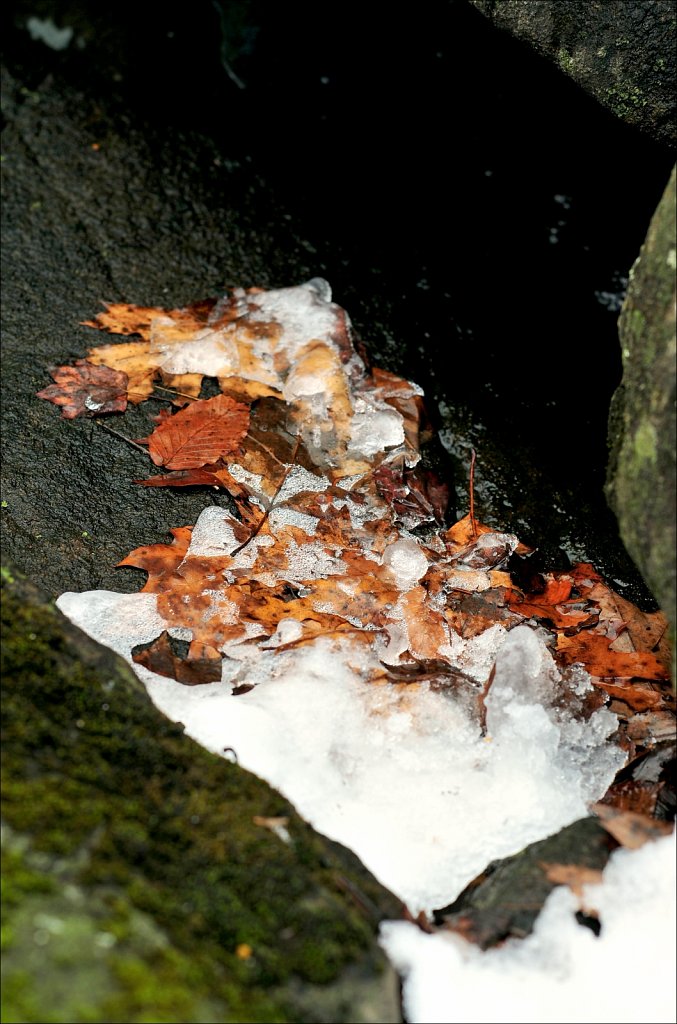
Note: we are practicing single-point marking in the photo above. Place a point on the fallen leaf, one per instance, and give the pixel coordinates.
(202, 664)
(86, 390)
(592, 650)
(134, 359)
(630, 829)
(125, 318)
(159, 560)
(203, 432)
(215, 475)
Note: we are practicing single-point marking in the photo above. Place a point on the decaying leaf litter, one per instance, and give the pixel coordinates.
(338, 545)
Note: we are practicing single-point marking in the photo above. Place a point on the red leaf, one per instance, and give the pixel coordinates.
(208, 476)
(86, 390)
(199, 434)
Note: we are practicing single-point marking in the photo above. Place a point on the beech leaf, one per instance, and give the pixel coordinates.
(200, 434)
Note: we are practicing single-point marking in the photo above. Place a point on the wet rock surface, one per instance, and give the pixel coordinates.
(127, 180)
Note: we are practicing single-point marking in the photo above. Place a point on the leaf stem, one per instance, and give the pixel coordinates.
(156, 398)
(171, 391)
(121, 436)
(264, 517)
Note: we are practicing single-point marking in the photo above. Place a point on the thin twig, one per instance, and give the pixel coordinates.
(181, 394)
(264, 518)
(482, 697)
(473, 521)
(122, 437)
(339, 631)
(266, 449)
(156, 398)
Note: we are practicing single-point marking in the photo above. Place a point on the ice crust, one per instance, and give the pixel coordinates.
(403, 779)
(212, 352)
(406, 562)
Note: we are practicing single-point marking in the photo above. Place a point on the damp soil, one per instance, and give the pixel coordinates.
(474, 212)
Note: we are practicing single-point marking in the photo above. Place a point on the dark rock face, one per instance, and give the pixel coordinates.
(622, 53)
(138, 885)
(641, 481)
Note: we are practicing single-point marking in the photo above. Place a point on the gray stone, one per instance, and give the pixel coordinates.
(641, 476)
(622, 53)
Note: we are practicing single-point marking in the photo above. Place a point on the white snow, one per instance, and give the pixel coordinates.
(561, 972)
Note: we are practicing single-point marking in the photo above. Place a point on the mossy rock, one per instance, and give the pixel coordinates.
(137, 886)
(622, 53)
(641, 481)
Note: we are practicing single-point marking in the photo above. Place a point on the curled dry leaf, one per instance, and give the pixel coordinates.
(201, 665)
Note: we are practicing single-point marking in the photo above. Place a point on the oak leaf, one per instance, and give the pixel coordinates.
(86, 390)
(159, 560)
(592, 650)
(555, 606)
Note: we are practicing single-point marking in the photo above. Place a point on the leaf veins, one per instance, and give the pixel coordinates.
(202, 433)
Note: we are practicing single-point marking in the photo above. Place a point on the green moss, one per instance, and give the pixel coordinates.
(566, 60)
(154, 840)
(625, 101)
(645, 443)
(641, 480)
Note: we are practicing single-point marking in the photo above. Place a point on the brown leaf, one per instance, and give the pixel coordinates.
(630, 829)
(199, 434)
(469, 614)
(634, 795)
(132, 358)
(125, 318)
(86, 390)
(554, 606)
(214, 475)
(592, 651)
(425, 626)
(160, 560)
(203, 665)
